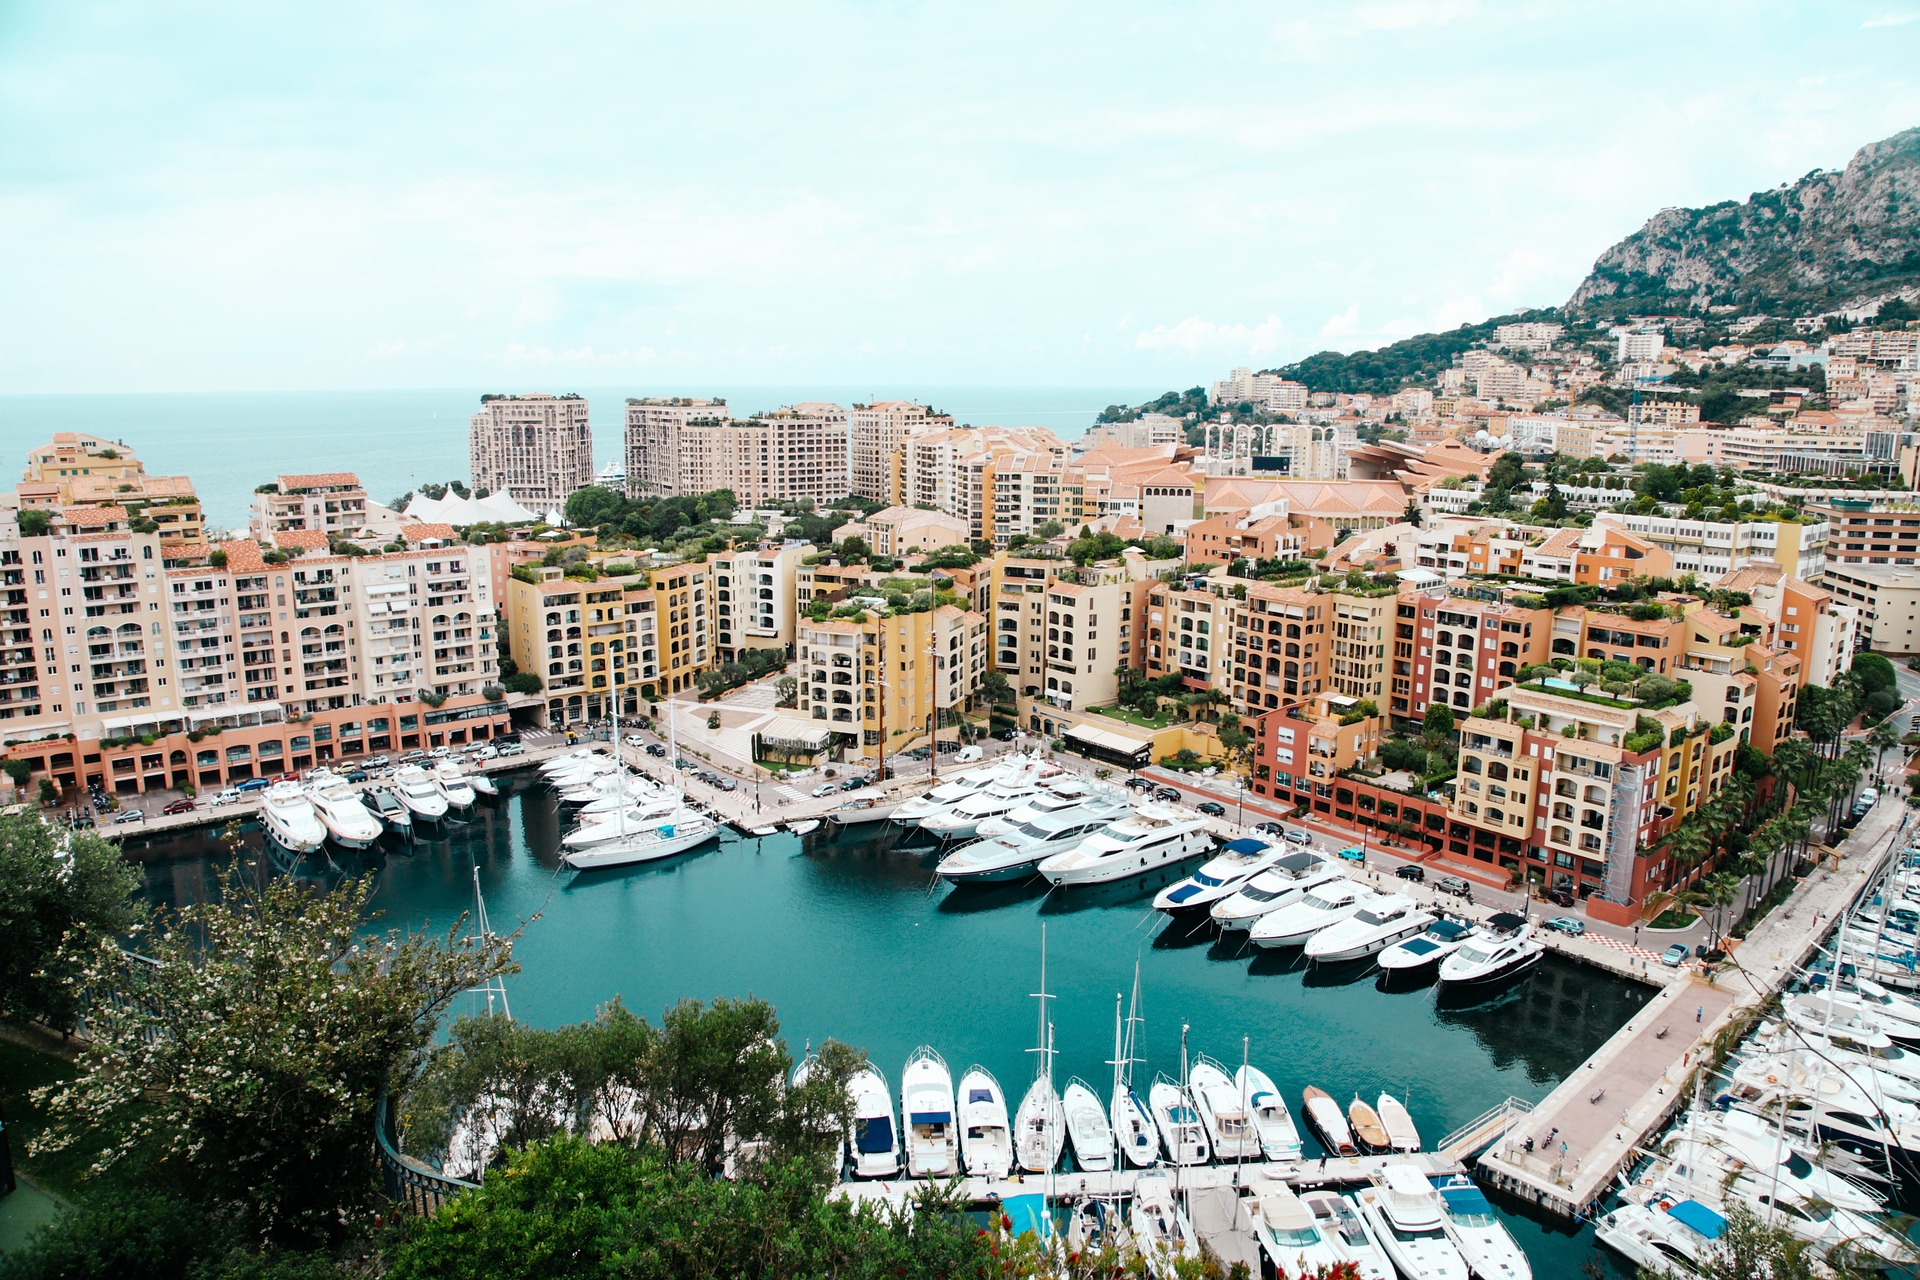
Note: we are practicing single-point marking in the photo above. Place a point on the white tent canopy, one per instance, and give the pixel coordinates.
(495, 508)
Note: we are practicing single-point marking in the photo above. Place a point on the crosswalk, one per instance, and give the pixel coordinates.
(785, 794)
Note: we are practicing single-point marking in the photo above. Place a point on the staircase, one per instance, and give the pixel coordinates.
(1476, 1135)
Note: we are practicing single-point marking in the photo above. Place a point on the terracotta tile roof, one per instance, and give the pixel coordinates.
(1561, 542)
(415, 533)
(301, 540)
(243, 556)
(92, 517)
(321, 480)
(1753, 575)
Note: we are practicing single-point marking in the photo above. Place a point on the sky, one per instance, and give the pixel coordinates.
(201, 196)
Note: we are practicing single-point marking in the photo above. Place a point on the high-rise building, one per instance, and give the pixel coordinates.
(876, 434)
(654, 424)
(885, 674)
(334, 504)
(537, 449)
(81, 470)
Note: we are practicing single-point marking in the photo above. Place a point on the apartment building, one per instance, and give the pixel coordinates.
(1813, 624)
(652, 440)
(1712, 548)
(894, 531)
(1460, 651)
(1279, 645)
(1189, 630)
(1304, 746)
(876, 435)
(881, 678)
(1060, 633)
(583, 639)
(1609, 555)
(75, 469)
(755, 594)
(959, 470)
(1870, 533)
(1261, 534)
(1265, 391)
(537, 449)
(1148, 431)
(1888, 599)
(1358, 644)
(334, 504)
(1527, 336)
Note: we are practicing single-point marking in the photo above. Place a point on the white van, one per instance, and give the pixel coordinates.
(968, 753)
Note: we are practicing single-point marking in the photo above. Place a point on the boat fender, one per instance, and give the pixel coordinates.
(1773, 1079)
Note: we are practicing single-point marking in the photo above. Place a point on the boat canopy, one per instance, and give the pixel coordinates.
(1449, 930)
(1028, 1215)
(1247, 844)
(1297, 863)
(1466, 1201)
(876, 1135)
(1506, 922)
(932, 1117)
(1702, 1219)
(979, 1095)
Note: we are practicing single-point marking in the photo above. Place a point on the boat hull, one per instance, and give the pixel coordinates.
(615, 853)
(1501, 973)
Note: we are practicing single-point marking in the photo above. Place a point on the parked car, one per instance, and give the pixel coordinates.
(1560, 896)
(1300, 838)
(356, 775)
(1674, 956)
(1412, 871)
(512, 749)
(131, 815)
(727, 784)
(1456, 886)
(947, 747)
(1004, 735)
(854, 784)
(413, 757)
(230, 796)
(1137, 783)
(439, 753)
(1353, 853)
(825, 789)
(1569, 925)
(253, 784)
(1170, 794)
(969, 753)
(486, 751)
(635, 740)
(655, 749)
(377, 762)
(917, 753)
(178, 806)
(1269, 829)
(1212, 808)
(288, 776)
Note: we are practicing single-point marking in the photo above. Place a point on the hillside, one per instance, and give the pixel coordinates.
(1387, 369)
(1806, 247)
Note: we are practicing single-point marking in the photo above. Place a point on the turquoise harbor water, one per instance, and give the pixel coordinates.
(845, 938)
(397, 440)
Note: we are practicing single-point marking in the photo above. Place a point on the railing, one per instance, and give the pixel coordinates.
(1481, 1132)
(408, 1182)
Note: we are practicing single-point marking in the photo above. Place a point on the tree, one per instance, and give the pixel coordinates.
(595, 505)
(246, 1056)
(1509, 472)
(787, 690)
(852, 549)
(1436, 725)
(57, 908)
(1412, 514)
(713, 719)
(996, 689)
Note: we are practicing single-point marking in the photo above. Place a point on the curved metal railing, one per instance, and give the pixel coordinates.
(409, 1183)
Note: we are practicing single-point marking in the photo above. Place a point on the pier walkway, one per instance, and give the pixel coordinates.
(1566, 1153)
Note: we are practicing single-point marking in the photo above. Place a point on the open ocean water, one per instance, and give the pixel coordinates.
(846, 936)
(231, 442)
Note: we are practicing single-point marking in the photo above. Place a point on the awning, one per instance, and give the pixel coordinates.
(1702, 1219)
(1107, 740)
(1246, 844)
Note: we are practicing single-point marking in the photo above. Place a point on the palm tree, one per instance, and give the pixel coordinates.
(1714, 893)
(1688, 843)
(1883, 738)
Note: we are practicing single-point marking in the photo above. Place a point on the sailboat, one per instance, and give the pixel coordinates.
(1039, 1128)
(1133, 1128)
(665, 831)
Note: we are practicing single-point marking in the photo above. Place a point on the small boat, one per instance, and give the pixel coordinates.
(1279, 1137)
(1328, 1123)
(763, 831)
(1477, 1232)
(1134, 1131)
(1088, 1130)
(986, 1145)
(804, 826)
(872, 1144)
(290, 820)
(1221, 876)
(1402, 1212)
(1401, 1133)
(1161, 1230)
(1384, 921)
(387, 807)
(926, 1108)
(417, 792)
(483, 785)
(862, 809)
(1439, 940)
(1225, 1111)
(1367, 1129)
(1182, 1133)
(1040, 1128)
(1507, 950)
(1341, 1227)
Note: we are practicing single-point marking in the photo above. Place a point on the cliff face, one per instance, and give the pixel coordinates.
(1821, 243)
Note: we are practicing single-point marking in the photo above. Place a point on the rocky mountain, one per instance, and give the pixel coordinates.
(1818, 244)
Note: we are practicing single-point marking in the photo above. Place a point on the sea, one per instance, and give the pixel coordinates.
(848, 935)
(231, 442)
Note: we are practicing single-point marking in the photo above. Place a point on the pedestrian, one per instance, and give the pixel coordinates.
(1699, 1012)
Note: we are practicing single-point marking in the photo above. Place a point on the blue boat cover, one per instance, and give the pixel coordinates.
(979, 1095)
(1184, 892)
(931, 1117)
(876, 1136)
(1420, 946)
(1246, 844)
(1702, 1219)
(1448, 929)
(1028, 1214)
(1467, 1201)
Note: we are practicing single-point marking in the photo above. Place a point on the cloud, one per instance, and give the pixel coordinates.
(1343, 325)
(1194, 335)
(1400, 15)
(1890, 20)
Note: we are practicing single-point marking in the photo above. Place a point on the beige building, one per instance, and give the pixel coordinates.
(877, 433)
(1062, 640)
(880, 677)
(779, 456)
(894, 531)
(536, 449)
(82, 470)
(653, 428)
(755, 594)
(1888, 598)
(334, 504)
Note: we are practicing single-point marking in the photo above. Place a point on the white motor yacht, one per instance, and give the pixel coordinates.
(290, 819)
(1279, 1136)
(1289, 1236)
(386, 806)
(341, 812)
(622, 793)
(1404, 1214)
(579, 760)
(1151, 837)
(1841, 1015)
(669, 829)
(601, 790)
(1323, 905)
(1063, 791)
(453, 785)
(579, 770)
(1402, 1134)
(1220, 876)
(952, 791)
(1507, 948)
(1435, 943)
(1671, 1241)
(1225, 1110)
(417, 791)
(1161, 1230)
(926, 1110)
(872, 1144)
(1386, 920)
(1279, 885)
(483, 784)
(986, 1140)
(1014, 854)
(1329, 1122)
(1088, 1130)
(1483, 1240)
(960, 820)
(1182, 1132)
(1341, 1226)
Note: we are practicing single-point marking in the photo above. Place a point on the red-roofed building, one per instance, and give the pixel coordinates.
(331, 503)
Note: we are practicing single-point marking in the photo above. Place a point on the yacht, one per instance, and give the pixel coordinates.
(603, 791)
(1161, 1230)
(1014, 854)
(862, 809)
(1062, 792)
(926, 1109)
(483, 784)
(1150, 837)
(1323, 905)
(579, 760)
(290, 819)
(1842, 1014)
(674, 831)
(910, 813)
(1133, 1130)
(1403, 1213)
(417, 792)
(1402, 1135)
(1225, 1111)
(1341, 1226)
(986, 1141)
(1436, 942)
(1088, 1131)
(1328, 1121)
(386, 806)
(1389, 919)
(1279, 1137)
(1483, 1240)
(1182, 1132)
(1279, 885)
(1289, 1236)
(628, 791)
(1509, 948)
(338, 807)
(871, 1143)
(1672, 1240)
(960, 820)
(1039, 1128)
(1220, 876)
(453, 785)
